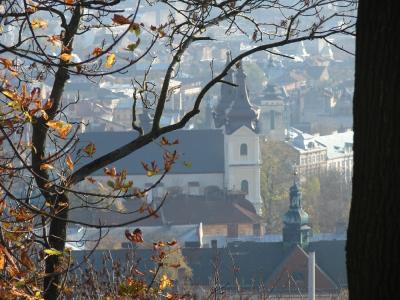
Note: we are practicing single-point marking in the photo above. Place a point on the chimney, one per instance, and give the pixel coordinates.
(311, 276)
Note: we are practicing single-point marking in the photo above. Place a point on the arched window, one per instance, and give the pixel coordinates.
(243, 149)
(244, 186)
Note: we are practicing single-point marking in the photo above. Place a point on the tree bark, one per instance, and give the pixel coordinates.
(373, 258)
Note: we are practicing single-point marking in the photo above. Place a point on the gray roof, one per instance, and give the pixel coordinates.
(204, 149)
(252, 263)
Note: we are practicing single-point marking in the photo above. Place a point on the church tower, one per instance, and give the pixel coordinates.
(296, 229)
(241, 141)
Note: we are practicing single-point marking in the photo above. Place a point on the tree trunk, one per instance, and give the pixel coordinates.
(374, 230)
(57, 237)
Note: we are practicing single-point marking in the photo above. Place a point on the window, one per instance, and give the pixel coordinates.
(257, 229)
(233, 230)
(272, 120)
(243, 149)
(244, 186)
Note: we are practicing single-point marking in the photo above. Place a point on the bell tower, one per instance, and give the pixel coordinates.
(296, 229)
(241, 142)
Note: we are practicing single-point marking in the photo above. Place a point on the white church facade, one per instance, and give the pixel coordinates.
(226, 158)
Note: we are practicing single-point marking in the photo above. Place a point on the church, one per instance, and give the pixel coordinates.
(227, 157)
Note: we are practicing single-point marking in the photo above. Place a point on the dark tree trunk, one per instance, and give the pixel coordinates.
(373, 252)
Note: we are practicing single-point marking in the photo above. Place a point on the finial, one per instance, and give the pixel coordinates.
(295, 173)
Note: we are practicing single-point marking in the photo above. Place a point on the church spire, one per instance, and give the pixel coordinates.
(242, 112)
(227, 94)
(296, 229)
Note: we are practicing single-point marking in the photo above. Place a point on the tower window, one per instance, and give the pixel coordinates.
(244, 186)
(243, 149)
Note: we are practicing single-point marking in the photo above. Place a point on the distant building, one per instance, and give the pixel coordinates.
(320, 153)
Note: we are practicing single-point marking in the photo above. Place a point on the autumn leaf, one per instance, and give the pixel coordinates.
(39, 23)
(61, 127)
(54, 39)
(120, 20)
(90, 149)
(2, 260)
(90, 179)
(46, 167)
(135, 236)
(151, 173)
(110, 61)
(52, 251)
(65, 57)
(110, 171)
(165, 282)
(135, 27)
(164, 141)
(69, 162)
(97, 51)
(137, 272)
(133, 46)
(172, 243)
(69, 2)
(254, 36)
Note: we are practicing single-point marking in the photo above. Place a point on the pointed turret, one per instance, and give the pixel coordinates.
(296, 229)
(227, 94)
(242, 112)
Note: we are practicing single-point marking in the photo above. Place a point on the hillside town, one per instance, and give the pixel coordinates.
(256, 193)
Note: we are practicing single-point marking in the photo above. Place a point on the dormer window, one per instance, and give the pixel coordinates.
(243, 150)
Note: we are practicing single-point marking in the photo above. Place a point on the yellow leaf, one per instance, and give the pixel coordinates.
(65, 57)
(52, 251)
(150, 173)
(46, 167)
(9, 94)
(110, 60)
(165, 282)
(38, 23)
(69, 162)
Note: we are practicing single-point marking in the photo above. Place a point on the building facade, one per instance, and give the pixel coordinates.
(316, 154)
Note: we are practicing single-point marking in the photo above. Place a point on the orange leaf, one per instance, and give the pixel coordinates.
(110, 61)
(97, 51)
(46, 167)
(135, 236)
(110, 171)
(2, 260)
(120, 20)
(61, 127)
(65, 57)
(69, 162)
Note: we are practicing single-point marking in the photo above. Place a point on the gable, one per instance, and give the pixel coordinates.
(292, 273)
(243, 130)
